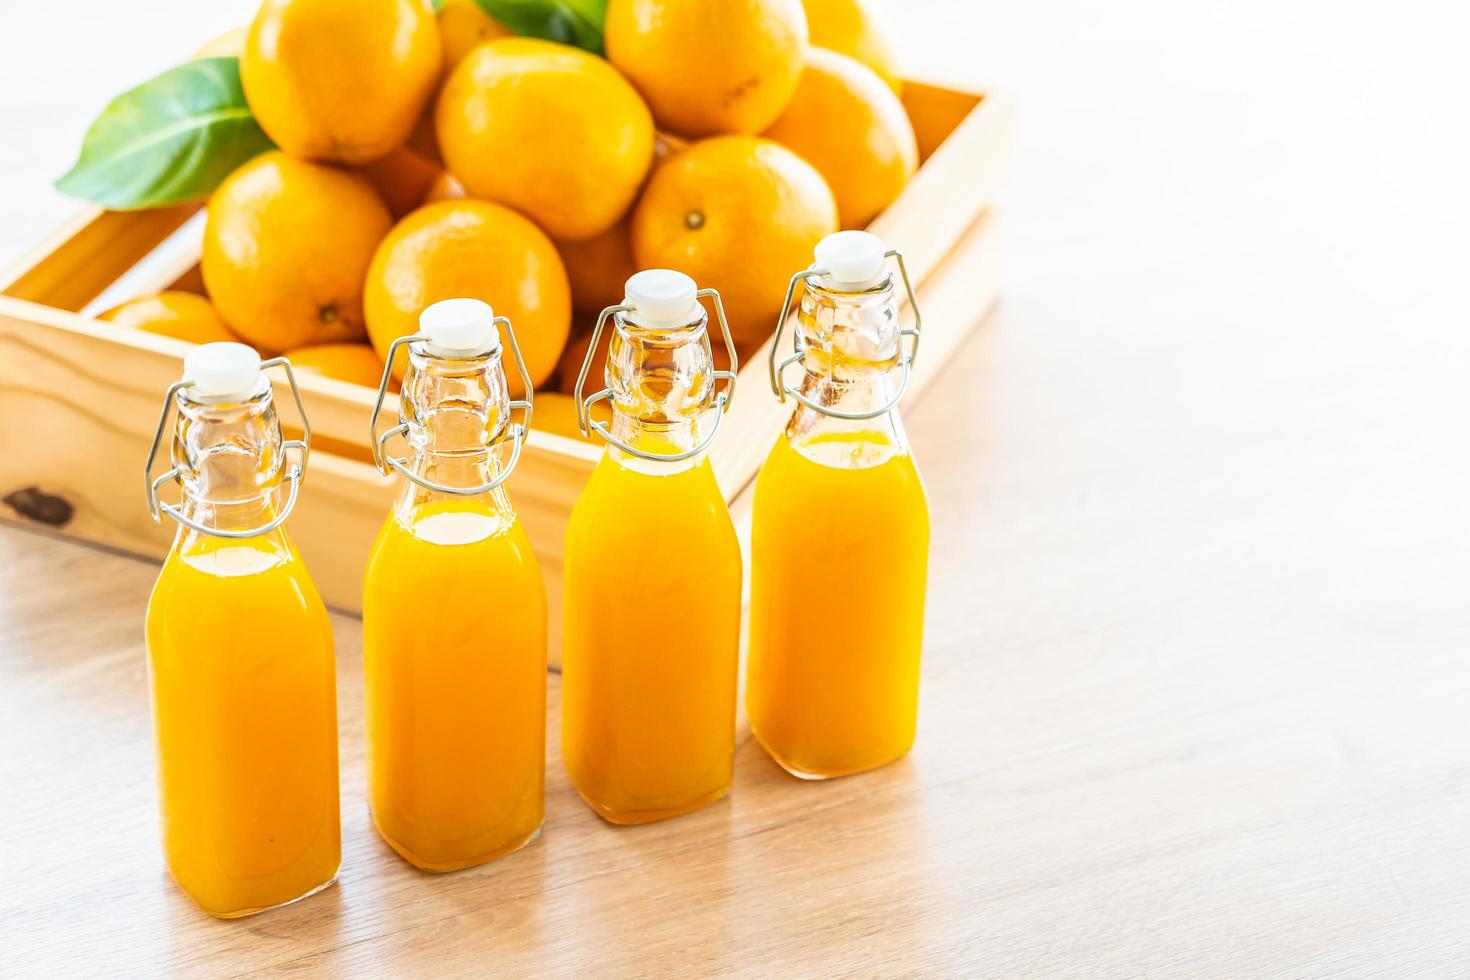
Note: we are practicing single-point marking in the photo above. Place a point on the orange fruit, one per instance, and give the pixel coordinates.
(737, 213)
(230, 44)
(476, 249)
(849, 27)
(340, 80)
(423, 140)
(845, 121)
(709, 66)
(599, 266)
(462, 26)
(547, 129)
(357, 364)
(445, 187)
(286, 246)
(557, 413)
(402, 179)
(575, 354)
(182, 316)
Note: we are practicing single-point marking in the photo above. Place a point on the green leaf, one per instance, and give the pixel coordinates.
(575, 22)
(171, 139)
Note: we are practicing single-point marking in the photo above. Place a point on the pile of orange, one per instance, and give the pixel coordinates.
(426, 155)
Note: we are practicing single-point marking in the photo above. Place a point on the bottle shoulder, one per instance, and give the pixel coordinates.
(841, 470)
(642, 488)
(637, 509)
(237, 581)
(460, 560)
(451, 523)
(850, 446)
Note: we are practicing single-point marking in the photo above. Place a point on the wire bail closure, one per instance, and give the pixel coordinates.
(590, 425)
(516, 432)
(906, 361)
(295, 472)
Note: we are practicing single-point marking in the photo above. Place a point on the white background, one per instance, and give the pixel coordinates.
(1297, 155)
(1216, 486)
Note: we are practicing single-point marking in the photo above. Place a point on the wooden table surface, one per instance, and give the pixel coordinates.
(1187, 709)
(1196, 676)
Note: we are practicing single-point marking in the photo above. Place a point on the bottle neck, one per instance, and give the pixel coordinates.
(855, 395)
(852, 363)
(663, 385)
(659, 439)
(453, 472)
(458, 416)
(848, 387)
(232, 462)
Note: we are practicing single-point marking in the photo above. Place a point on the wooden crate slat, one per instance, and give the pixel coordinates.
(957, 297)
(80, 428)
(939, 204)
(936, 111)
(950, 311)
(88, 254)
(948, 193)
(176, 267)
(81, 398)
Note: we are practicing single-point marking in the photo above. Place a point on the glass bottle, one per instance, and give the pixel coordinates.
(240, 654)
(652, 570)
(454, 609)
(840, 533)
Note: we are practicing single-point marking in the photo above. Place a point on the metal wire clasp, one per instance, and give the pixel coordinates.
(516, 433)
(906, 361)
(722, 401)
(295, 472)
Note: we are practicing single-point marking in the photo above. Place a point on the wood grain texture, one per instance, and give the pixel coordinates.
(83, 256)
(1195, 676)
(100, 387)
(111, 408)
(1138, 754)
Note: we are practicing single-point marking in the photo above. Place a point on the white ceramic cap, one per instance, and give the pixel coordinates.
(460, 328)
(853, 259)
(662, 298)
(223, 371)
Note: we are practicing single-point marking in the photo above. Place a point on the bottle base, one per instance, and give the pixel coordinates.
(444, 867)
(817, 775)
(633, 818)
(258, 909)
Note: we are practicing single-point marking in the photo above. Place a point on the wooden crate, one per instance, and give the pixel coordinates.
(80, 399)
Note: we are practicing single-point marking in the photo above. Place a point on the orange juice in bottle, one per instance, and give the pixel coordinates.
(240, 655)
(652, 574)
(454, 609)
(840, 535)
